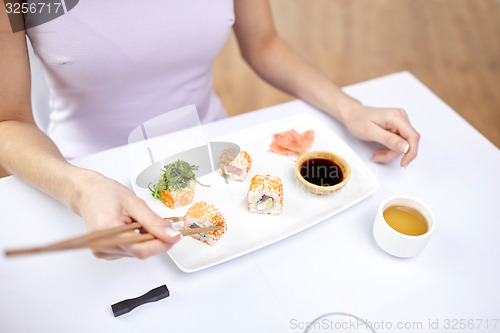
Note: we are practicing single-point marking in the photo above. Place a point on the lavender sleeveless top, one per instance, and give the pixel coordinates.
(113, 64)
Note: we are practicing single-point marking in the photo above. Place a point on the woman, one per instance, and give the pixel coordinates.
(110, 67)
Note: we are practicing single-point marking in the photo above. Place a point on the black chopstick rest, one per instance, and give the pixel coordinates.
(128, 305)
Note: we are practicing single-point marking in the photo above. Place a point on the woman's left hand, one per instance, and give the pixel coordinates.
(388, 126)
(277, 64)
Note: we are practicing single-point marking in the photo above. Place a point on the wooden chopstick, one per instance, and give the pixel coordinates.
(73, 242)
(88, 238)
(108, 242)
(101, 238)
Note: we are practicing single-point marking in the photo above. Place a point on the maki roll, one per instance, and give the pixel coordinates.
(202, 215)
(178, 197)
(234, 166)
(175, 187)
(265, 195)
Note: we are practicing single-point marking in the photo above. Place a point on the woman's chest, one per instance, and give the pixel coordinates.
(98, 38)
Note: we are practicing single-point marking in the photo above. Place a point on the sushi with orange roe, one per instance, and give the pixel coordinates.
(234, 165)
(178, 198)
(201, 215)
(265, 195)
(176, 185)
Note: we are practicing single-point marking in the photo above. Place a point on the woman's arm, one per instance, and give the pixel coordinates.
(277, 64)
(30, 155)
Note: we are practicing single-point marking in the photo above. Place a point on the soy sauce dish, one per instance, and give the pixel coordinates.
(322, 172)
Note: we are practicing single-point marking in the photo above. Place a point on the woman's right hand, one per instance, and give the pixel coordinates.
(104, 203)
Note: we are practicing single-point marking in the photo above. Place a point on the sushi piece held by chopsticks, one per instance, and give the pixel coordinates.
(202, 215)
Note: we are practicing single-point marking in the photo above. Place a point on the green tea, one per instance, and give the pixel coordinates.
(406, 220)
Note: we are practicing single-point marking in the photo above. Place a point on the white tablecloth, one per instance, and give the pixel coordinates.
(334, 266)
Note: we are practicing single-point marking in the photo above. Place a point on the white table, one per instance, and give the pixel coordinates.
(334, 266)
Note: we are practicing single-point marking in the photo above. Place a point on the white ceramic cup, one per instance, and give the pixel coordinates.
(394, 242)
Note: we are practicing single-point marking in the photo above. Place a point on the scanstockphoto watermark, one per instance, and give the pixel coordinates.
(25, 14)
(334, 321)
(327, 324)
(347, 322)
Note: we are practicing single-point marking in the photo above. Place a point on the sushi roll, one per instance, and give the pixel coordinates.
(202, 215)
(178, 198)
(234, 166)
(265, 195)
(175, 188)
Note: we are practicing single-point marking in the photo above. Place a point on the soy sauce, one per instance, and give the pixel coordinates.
(321, 171)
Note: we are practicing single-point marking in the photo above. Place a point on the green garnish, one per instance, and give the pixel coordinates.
(176, 175)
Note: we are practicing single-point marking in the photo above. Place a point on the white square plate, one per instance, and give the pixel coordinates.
(248, 232)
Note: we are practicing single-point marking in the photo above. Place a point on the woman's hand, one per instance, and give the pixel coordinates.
(277, 64)
(388, 126)
(104, 203)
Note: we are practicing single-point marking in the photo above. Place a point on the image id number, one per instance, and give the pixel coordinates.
(471, 324)
(35, 7)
